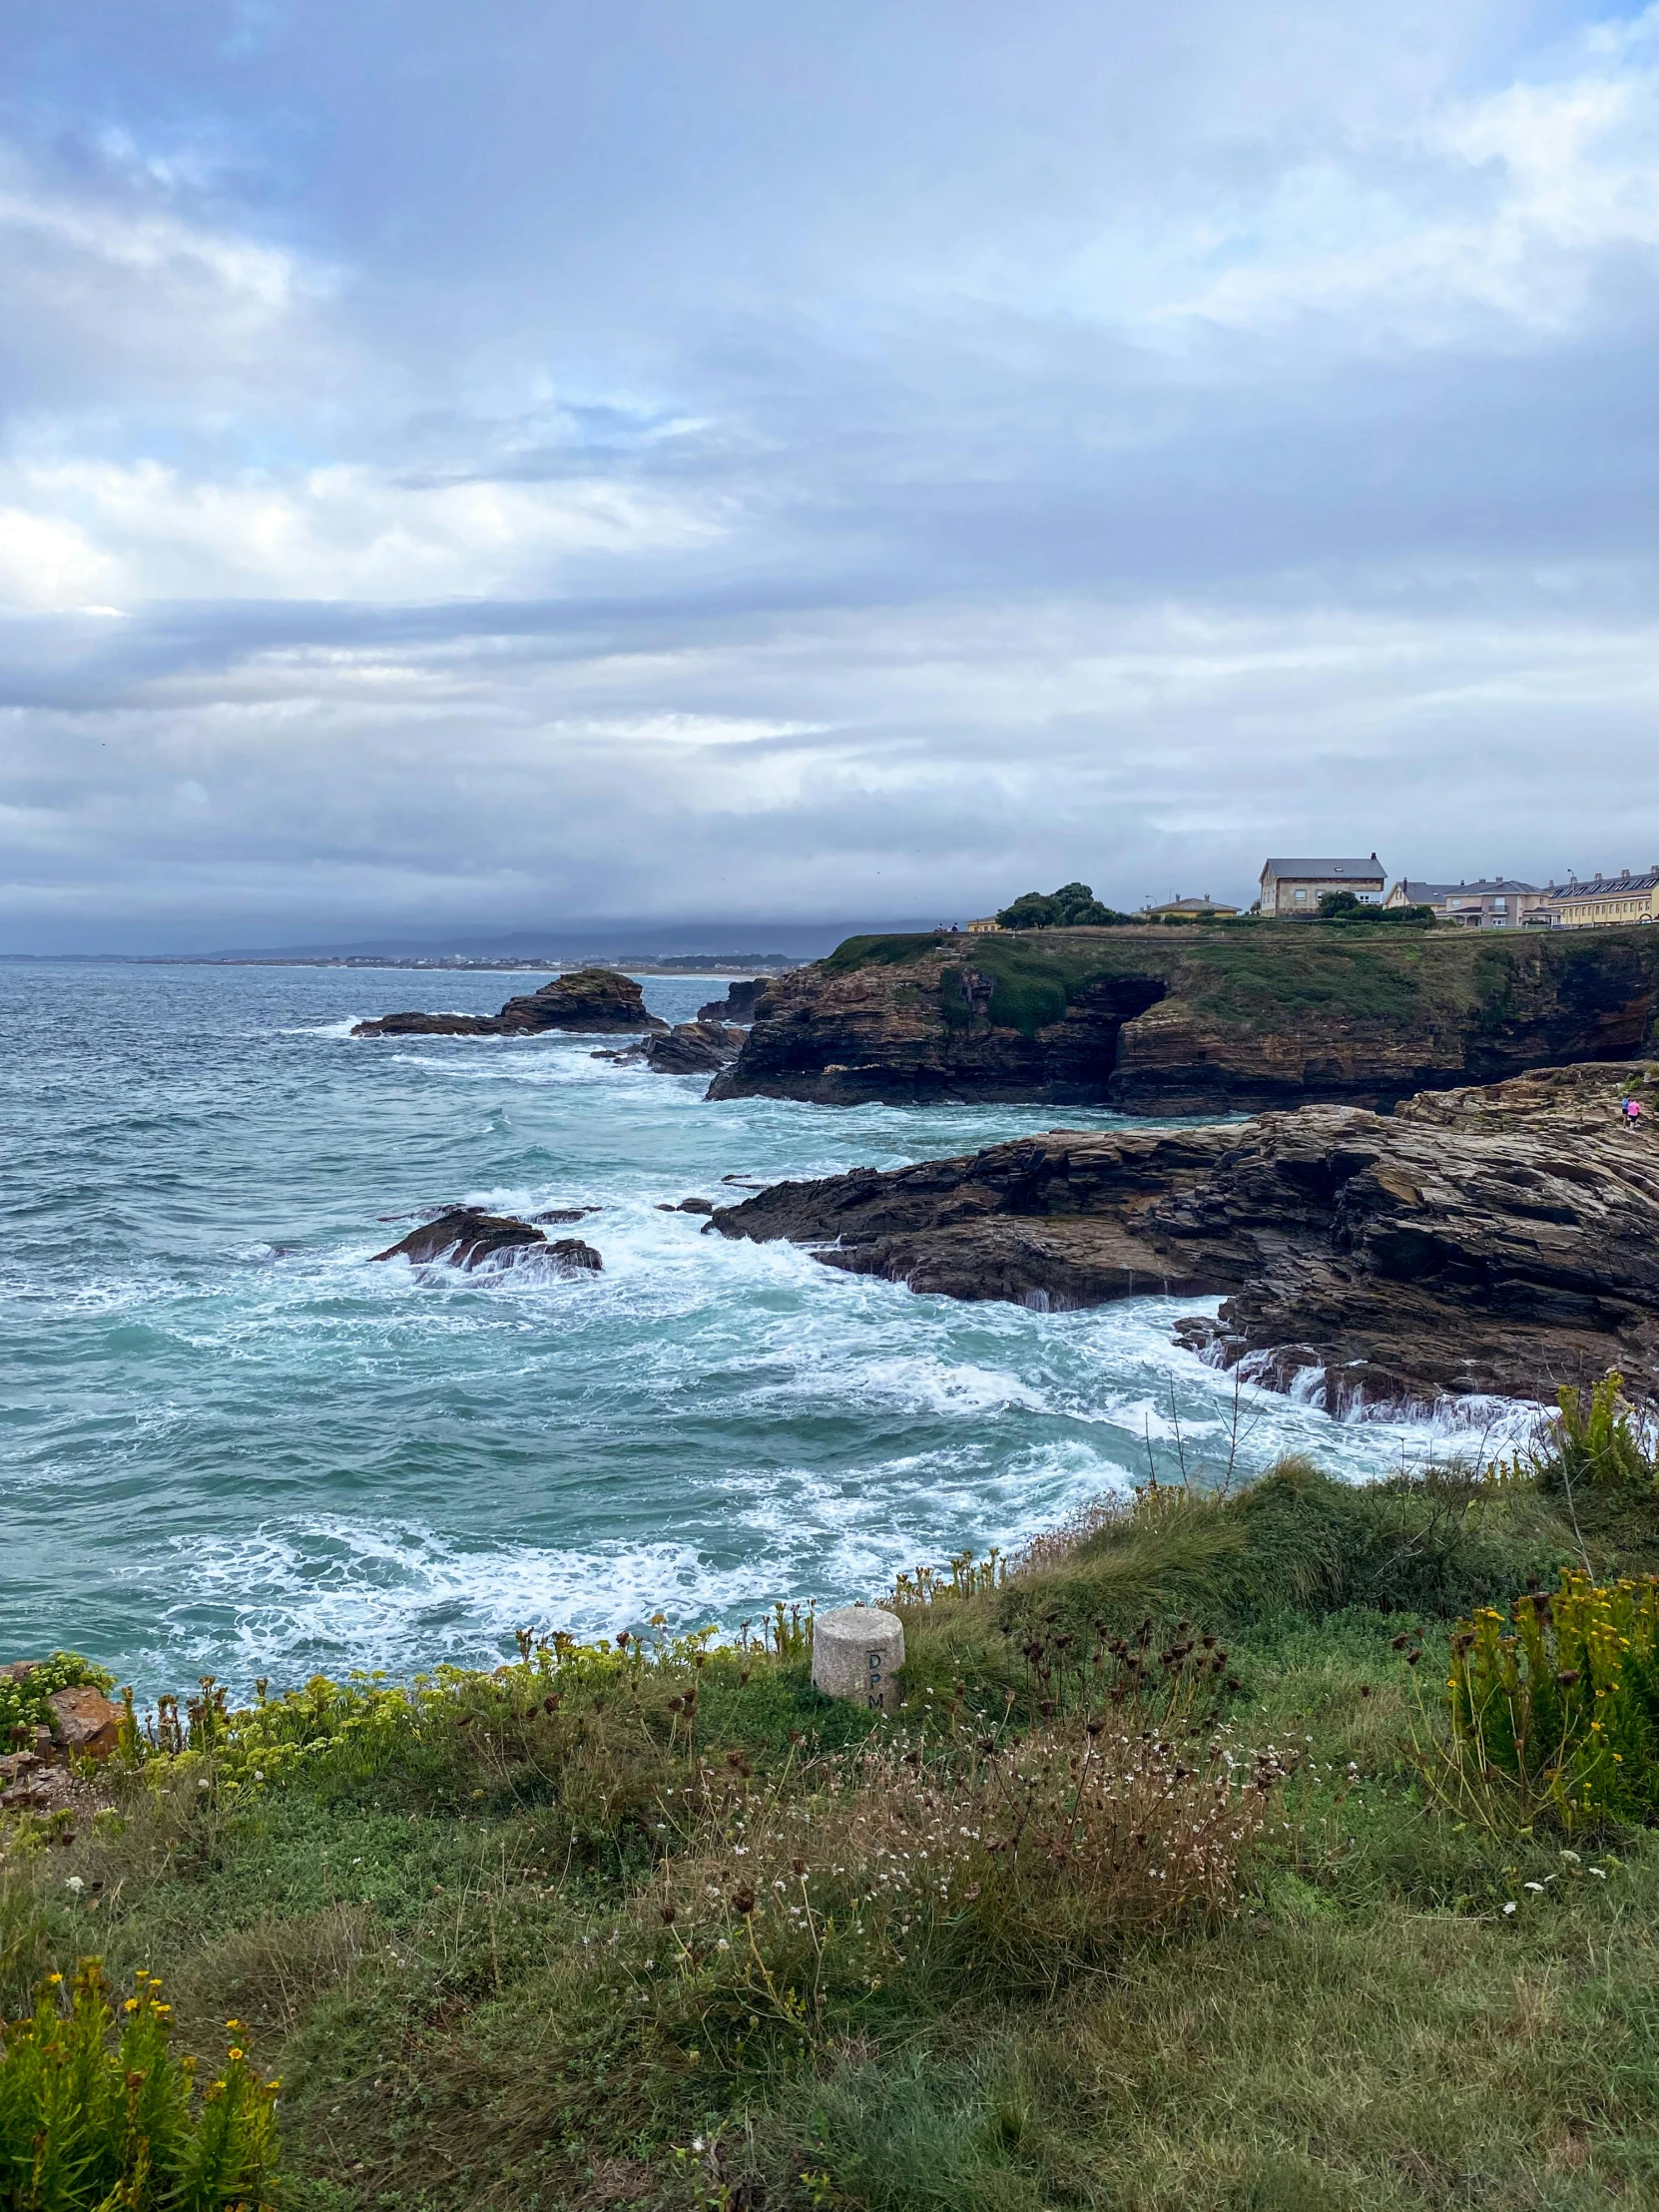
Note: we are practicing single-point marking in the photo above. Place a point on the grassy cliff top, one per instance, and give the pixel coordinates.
(1246, 973)
(657, 1927)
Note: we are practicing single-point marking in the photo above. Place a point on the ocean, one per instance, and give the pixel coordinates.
(233, 1445)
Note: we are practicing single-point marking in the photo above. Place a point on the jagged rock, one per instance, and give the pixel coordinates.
(467, 1239)
(1497, 1240)
(693, 1047)
(690, 1048)
(739, 1003)
(85, 1722)
(1194, 1020)
(688, 1206)
(590, 1001)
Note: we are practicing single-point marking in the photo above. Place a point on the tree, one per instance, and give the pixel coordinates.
(1072, 907)
(1345, 906)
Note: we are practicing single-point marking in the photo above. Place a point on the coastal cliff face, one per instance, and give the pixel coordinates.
(1192, 1021)
(1496, 1239)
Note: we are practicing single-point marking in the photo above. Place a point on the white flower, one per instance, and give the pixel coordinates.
(1537, 1886)
(259, 1774)
(1511, 1907)
(74, 1882)
(1600, 1873)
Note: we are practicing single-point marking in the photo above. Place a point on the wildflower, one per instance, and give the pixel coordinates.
(1511, 1907)
(74, 1882)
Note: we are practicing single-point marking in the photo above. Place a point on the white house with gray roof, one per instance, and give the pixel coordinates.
(1492, 903)
(1295, 888)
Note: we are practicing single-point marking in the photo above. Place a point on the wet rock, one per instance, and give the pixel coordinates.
(571, 1252)
(694, 1048)
(589, 1000)
(468, 1239)
(737, 1005)
(1499, 1239)
(566, 1213)
(688, 1048)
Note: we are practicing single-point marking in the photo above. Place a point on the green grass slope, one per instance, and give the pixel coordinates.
(458, 1928)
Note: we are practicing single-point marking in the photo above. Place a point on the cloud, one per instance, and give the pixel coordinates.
(637, 462)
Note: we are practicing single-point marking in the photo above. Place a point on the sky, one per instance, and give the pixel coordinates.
(462, 468)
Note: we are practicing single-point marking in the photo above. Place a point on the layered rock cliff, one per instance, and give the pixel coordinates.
(1195, 1021)
(592, 1001)
(1502, 1239)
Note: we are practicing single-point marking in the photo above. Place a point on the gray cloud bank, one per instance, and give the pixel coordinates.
(463, 469)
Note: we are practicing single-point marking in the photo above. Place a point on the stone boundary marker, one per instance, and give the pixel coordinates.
(857, 1651)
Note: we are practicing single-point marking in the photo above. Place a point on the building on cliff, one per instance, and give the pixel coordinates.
(1606, 902)
(1492, 903)
(1190, 909)
(1295, 888)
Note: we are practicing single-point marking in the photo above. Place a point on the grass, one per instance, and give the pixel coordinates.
(653, 1927)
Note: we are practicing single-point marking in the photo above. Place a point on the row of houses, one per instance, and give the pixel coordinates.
(1289, 887)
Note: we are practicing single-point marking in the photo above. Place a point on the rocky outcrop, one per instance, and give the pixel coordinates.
(1499, 1239)
(592, 1001)
(1197, 1020)
(467, 1239)
(737, 1005)
(688, 1048)
(85, 1723)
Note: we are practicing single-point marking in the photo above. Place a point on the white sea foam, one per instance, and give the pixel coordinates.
(319, 1461)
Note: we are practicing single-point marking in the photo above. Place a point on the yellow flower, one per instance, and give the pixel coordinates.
(235, 2051)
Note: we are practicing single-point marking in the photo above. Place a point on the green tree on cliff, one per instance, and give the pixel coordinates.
(1072, 907)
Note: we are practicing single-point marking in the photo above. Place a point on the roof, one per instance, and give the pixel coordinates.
(1608, 887)
(1370, 871)
(1203, 905)
(1425, 894)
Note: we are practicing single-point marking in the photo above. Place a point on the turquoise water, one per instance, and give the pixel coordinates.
(233, 1445)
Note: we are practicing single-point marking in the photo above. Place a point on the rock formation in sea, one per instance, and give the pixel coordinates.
(592, 1001)
(688, 1048)
(739, 1003)
(1501, 1238)
(467, 1238)
(1195, 1021)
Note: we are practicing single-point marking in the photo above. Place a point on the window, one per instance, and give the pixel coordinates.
(1500, 906)
(1301, 898)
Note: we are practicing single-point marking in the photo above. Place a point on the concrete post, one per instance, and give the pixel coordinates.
(857, 1651)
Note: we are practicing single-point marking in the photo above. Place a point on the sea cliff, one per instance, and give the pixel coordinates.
(1197, 1020)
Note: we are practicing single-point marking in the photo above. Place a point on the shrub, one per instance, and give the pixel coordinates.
(1554, 1707)
(87, 2122)
(1345, 907)
(1596, 1441)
